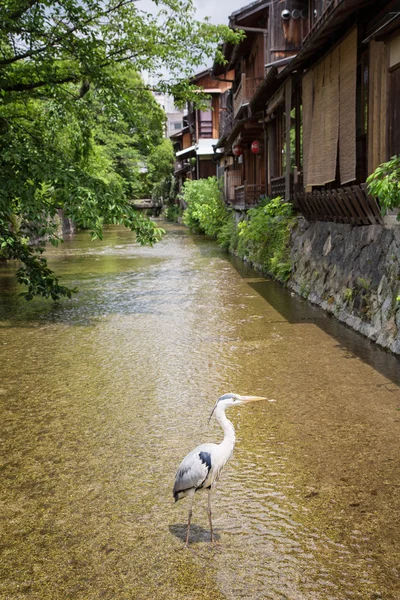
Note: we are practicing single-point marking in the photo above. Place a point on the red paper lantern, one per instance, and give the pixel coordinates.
(237, 150)
(256, 147)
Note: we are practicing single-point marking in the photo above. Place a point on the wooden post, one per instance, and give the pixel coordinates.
(298, 127)
(265, 141)
(288, 107)
(271, 153)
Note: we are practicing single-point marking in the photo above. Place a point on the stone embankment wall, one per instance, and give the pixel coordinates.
(66, 226)
(352, 272)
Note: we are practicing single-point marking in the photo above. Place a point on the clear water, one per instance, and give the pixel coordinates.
(102, 396)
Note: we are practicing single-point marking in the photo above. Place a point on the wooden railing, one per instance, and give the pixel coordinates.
(245, 91)
(248, 195)
(238, 97)
(351, 205)
(278, 187)
(233, 180)
(181, 166)
(316, 22)
(225, 123)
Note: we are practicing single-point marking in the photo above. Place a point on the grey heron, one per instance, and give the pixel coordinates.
(201, 468)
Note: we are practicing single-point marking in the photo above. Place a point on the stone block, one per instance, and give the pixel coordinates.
(330, 257)
(382, 289)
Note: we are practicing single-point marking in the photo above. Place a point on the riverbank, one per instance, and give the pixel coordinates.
(352, 272)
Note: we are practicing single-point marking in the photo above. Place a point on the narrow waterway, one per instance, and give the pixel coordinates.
(102, 396)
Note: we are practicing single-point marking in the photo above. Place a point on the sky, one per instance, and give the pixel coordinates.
(217, 10)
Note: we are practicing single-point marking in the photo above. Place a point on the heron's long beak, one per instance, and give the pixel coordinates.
(251, 398)
(212, 412)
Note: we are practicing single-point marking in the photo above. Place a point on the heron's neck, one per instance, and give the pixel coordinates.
(228, 429)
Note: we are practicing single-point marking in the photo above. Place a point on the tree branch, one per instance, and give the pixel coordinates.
(24, 87)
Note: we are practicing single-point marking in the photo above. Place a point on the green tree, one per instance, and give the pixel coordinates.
(205, 210)
(384, 182)
(76, 122)
(161, 183)
(131, 136)
(161, 162)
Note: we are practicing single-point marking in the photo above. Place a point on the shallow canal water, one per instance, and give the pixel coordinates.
(101, 397)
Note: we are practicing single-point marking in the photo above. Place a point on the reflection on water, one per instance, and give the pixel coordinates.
(103, 395)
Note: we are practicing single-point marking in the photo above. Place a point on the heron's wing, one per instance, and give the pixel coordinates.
(194, 469)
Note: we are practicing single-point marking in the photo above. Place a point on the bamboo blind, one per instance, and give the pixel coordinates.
(308, 81)
(329, 116)
(321, 146)
(331, 121)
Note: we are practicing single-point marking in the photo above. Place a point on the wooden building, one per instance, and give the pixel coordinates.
(326, 108)
(194, 144)
(242, 133)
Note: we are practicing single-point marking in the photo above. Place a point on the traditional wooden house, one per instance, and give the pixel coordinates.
(329, 103)
(194, 144)
(242, 132)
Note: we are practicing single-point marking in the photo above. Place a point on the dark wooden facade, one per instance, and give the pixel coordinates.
(241, 129)
(325, 105)
(193, 144)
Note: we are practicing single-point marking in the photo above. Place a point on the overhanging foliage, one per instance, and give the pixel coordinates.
(77, 124)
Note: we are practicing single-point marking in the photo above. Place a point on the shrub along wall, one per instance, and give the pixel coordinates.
(352, 272)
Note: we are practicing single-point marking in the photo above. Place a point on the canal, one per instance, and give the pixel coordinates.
(102, 396)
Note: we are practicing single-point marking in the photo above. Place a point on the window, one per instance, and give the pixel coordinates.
(205, 118)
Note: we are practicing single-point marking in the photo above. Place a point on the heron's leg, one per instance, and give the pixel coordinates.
(189, 519)
(209, 513)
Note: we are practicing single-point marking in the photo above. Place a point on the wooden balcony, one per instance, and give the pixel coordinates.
(278, 186)
(245, 91)
(324, 10)
(225, 123)
(182, 166)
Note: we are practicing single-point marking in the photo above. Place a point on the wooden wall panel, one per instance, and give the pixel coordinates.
(187, 140)
(207, 168)
(394, 112)
(215, 116)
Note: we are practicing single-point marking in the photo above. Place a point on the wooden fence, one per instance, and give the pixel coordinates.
(351, 205)
(248, 195)
(278, 187)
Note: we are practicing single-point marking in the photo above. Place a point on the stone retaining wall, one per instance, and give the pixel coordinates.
(66, 226)
(352, 272)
